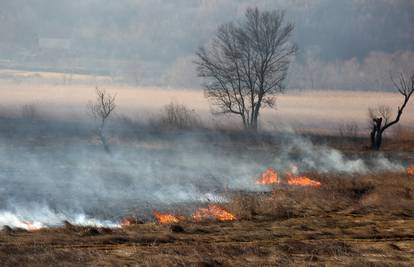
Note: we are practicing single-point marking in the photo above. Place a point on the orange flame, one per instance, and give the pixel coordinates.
(302, 181)
(268, 177)
(214, 212)
(165, 218)
(410, 170)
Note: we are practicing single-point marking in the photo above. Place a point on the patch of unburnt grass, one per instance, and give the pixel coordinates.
(326, 248)
(38, 255)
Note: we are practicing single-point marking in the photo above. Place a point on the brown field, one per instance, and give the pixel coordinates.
(363, 220)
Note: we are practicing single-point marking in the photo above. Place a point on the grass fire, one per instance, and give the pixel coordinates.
(165, 218)
(207, 133)
(268, 177)
(213, 212)
(302, 181)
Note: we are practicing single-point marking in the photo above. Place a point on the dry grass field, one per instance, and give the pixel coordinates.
(349, 220)
(364, 220)
(207, 133)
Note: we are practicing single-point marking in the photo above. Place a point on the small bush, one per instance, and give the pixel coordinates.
(178, 116)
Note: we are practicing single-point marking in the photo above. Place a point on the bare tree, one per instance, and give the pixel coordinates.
(101, 109)
(246, 64)
(382, 117)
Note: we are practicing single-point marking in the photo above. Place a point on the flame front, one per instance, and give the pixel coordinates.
(214, 212)
(268, 177)
(302, 181)
(165, 218)
(410, 170)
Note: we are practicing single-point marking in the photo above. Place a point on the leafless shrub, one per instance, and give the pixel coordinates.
(101, 109)
(178, 116)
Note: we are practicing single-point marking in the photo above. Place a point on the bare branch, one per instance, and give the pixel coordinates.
(405, 87)
(246, 64)
(101, 109)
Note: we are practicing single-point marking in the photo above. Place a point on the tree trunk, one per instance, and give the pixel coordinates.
(102, 137)
(245, 122)
(104, 142)
(376, 134)
(376, 140)
(255, 117)
(373, 134)
(253, 125)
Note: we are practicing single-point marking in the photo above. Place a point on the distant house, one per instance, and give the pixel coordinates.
(54, 43)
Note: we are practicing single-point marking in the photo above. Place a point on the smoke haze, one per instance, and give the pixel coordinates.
(53, 54)
(73, 180)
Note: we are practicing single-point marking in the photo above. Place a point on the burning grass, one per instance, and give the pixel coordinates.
(213, 212)
(268, 177)
(344, 221)
(302, 181)
(165, 218)
(391, 193)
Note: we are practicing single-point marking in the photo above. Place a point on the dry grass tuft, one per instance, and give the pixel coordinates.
(385, 193)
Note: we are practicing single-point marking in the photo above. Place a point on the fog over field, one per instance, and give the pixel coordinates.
(310, 109)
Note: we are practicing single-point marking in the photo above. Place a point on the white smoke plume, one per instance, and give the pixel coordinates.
(322, 158)
(46, 184)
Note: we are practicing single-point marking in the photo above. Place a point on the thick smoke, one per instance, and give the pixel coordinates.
(80, 183)
(48, 183)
